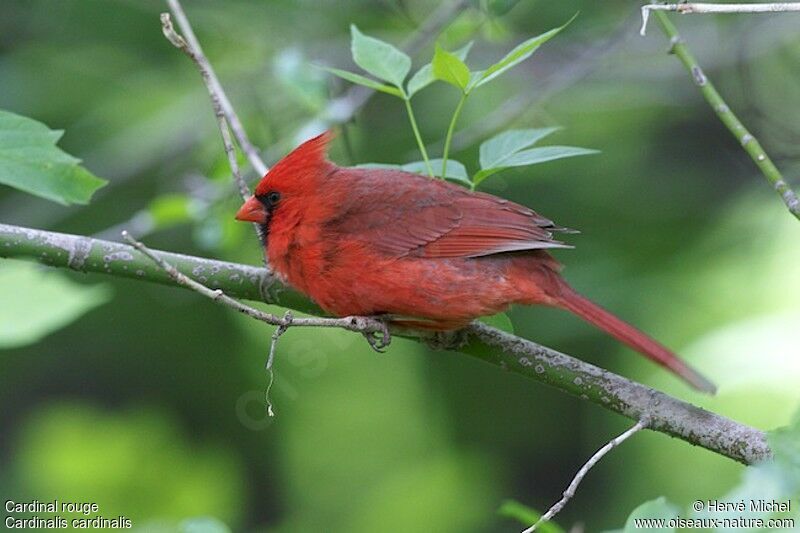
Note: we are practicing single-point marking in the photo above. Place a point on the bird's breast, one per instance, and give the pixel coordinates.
(301, 255)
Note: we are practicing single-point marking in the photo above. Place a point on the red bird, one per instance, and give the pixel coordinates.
(363, 241)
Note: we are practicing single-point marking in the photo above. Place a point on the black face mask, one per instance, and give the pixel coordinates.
(270, 202)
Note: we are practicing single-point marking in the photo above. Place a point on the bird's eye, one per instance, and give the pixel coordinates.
(270, 199)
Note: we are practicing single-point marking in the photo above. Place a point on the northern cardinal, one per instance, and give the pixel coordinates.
(367, 241)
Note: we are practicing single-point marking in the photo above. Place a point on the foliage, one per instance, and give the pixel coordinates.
(507, 149)
(380, 59)
(390, 65)
(44, 301)
(425, 76)
(449, 68)
(455, 170)
(30, 162)
(785, 443)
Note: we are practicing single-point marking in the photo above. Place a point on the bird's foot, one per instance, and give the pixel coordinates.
(376, 331)
(448, 340)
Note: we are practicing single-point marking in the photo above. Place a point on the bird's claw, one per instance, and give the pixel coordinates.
(448, 340)
(378, 336)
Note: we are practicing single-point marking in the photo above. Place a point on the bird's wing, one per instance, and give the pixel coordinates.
(402, 214)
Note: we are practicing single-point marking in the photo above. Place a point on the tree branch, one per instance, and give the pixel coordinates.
(365, 325)
(731, 121)
(580, 379)
(692, 8)
(222, 106)
(227, 119)
(216, 93)
(593, 460)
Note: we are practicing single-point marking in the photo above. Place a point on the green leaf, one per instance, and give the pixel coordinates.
(366, 82)
(421, 79)
(519, 54)
(495, 151)
(424, 76)
(386, 166)
(656, 509)
(527, 516)
(379, 58)
(465, 181)
(499, 321)
(450, 69)
(533, 156)
(474, 78)
(455, 170)
(31, 162)
(785, 445)
(37, 302)
(481, 175)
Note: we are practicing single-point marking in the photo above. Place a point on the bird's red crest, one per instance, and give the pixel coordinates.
(305, 161)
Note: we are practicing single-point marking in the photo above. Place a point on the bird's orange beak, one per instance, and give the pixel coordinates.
(252, 211)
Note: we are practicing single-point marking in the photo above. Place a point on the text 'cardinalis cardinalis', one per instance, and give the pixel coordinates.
(366, 241)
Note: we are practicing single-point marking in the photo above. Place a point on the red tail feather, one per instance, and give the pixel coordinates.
(624, 332)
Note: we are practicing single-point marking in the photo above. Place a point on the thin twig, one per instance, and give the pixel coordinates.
(216, 99)
(593, 460)
(364, 325)
(280, 330)
(220, 100)
(692, 8)
(746, 139)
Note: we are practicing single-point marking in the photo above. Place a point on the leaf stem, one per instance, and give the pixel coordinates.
(448, 139)
(417, 135)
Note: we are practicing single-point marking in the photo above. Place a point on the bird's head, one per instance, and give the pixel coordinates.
(289, 183)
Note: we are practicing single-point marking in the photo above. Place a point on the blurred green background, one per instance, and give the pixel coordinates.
(151, 402)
